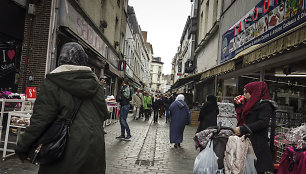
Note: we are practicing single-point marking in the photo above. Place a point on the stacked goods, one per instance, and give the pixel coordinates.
(20, 121)
(194, 117)
(111, 101)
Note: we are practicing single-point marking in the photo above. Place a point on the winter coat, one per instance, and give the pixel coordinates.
(208, 116)
(157, 104)
(147, 100)
(179, 117)
(258, 121)
(235, 154)
(167, 102)
(124, 96)
(137, 100)
(85, 150)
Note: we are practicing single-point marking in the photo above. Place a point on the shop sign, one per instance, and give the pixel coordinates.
(31, 92)
(70, 18)
(268, 19)
(128, 71)
(7, 60)
(113, 58)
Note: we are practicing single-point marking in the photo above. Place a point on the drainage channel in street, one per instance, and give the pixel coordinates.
(147, 152)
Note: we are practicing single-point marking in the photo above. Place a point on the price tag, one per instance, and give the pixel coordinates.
(31, 92)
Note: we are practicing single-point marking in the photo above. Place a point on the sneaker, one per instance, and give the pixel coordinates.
(121, 136)
(128, 137)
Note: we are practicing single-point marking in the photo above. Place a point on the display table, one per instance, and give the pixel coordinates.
(12, 106)
(19, 120)
(114, 115)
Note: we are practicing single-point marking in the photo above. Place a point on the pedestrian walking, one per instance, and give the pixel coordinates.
(123, 97)
(137, 103)
(147, 105)
(141, 112)
(68, 84)
(167, 103)
(253, 116)
(208, 113)
(179, 117)
(156, 107)
(161, 108)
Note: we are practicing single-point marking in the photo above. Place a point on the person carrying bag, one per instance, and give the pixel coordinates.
(56, 103)
(51, 145)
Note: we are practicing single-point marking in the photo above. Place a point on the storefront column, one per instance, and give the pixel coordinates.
(262, 74)
(116, 86)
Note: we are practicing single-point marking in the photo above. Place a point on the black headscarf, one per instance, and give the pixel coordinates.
(212, 99)
(208, 113)
(72, 53)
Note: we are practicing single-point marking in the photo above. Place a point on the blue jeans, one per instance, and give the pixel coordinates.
(124, 110)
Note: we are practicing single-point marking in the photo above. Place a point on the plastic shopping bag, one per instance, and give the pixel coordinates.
(206, 161)
(249, 165)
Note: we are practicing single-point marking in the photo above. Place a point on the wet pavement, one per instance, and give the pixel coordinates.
(148, 151)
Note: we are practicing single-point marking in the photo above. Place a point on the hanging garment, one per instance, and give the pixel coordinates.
(237, 149)
(293, 162)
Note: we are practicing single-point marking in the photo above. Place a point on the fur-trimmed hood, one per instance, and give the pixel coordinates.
(272, 102)
(80, 81)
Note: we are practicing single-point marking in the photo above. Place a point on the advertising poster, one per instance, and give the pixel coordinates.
(268, 19)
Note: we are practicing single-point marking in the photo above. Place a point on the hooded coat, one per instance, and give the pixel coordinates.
(85, 150)
(208, 113)
(254, 116)
(179, 117)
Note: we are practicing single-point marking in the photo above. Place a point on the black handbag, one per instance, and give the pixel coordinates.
(51, 145)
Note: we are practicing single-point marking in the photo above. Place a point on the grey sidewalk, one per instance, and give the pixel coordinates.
(149, 151)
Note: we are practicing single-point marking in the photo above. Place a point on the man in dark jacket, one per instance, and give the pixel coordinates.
(58, 93)
(124, 99)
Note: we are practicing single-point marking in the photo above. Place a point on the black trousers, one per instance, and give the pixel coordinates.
(147, 113)
(156, 115)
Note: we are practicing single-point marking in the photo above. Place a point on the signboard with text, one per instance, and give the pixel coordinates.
(268, 19)
(70, 18)
(31, 92)
(7, 58)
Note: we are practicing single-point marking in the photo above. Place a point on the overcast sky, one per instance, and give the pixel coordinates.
(164, 20)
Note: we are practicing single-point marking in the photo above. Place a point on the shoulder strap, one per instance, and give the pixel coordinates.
(75, 110)
(138, 96)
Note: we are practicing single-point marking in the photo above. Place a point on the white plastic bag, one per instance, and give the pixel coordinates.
(249, 165)
(206, 161)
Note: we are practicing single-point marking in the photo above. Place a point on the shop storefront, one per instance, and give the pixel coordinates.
(11, 38)
(279, 60)
(103, 59)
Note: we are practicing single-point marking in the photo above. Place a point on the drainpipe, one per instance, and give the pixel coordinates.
(27, 54)
(51, 48)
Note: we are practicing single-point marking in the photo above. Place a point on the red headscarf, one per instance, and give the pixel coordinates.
(258, 90)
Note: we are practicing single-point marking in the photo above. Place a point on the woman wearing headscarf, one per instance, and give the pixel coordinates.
(68, 84)
(179, 117)
(253, 117)
(208, 113)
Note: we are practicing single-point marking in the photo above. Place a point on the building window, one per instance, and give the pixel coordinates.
(118, 2)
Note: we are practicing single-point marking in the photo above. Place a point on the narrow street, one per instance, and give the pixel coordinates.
(149, 151)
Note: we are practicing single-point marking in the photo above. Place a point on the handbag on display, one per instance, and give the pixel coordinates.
(52, 143)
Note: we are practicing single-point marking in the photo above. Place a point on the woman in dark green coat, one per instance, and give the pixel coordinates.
(72, 80)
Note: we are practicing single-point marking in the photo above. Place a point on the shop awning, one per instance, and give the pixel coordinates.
(291, 39)
(254, 54)
(185, 80)
(219, 69)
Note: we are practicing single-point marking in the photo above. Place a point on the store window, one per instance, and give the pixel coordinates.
(287, 85)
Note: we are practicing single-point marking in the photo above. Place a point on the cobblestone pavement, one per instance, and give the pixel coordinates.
(148, 151)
